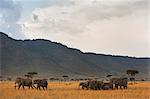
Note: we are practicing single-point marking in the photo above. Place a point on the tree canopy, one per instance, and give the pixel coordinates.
(132, 72)
(65, 76)
(109, 75)
(32, 73)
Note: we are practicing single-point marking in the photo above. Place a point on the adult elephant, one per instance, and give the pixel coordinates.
(95, 85)
(114, 82)
(23, 82)
(121, 82)
(99, 85)
(41, 83)
(91, 84)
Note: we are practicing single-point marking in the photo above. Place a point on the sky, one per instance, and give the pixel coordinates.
(116, 27)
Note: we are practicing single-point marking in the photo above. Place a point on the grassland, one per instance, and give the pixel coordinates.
(70, 90)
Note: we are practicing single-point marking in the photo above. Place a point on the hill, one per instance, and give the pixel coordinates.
(50, 58)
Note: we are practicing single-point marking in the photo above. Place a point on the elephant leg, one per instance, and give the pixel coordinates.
(39, 88)
(43, 87)
(36, 87)
(86, 87)
(32, 87)
(95, 87)
(125, 87)
(100, 87)
(116, 86)
(23, 86)
(82, 87)
(112, 86)
(19, 86)
(15, 85)
(120, 86)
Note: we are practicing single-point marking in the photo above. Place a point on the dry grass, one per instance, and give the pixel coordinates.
(70, 90)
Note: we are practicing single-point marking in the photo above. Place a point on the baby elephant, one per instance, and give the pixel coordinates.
(41, 83)
(83, 85)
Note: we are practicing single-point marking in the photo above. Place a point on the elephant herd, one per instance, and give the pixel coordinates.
(90, 84)
(101, 85)
(38, 83)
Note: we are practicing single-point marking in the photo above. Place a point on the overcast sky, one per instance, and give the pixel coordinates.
(118, 27)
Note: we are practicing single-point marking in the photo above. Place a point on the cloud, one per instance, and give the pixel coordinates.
(102, 26)
(10, 13)
(61, 2)
(6, 4)
(74, 19)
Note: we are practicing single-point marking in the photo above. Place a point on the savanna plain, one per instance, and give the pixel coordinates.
(70, 90)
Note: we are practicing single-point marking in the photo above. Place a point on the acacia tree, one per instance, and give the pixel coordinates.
(132, 73)
(30, 74)
(65, 77)
(109, 77)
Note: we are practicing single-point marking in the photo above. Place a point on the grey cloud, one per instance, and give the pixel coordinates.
(6, 4)
(88, 14)
(61, 2)
(10, 10)
(142, 3)
(77, 20)
(106, 11)
(10, 15)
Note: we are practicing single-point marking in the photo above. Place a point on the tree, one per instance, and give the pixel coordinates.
(65, 77)
(30, 74)
(132, 73)
(108, 75)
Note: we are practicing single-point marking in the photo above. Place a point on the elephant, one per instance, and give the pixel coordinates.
(92, 84)
(83, 85)
(23, 82)
(107, 86)
(41, 83)
(120, 82)
(99, 85)
(95, 85)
